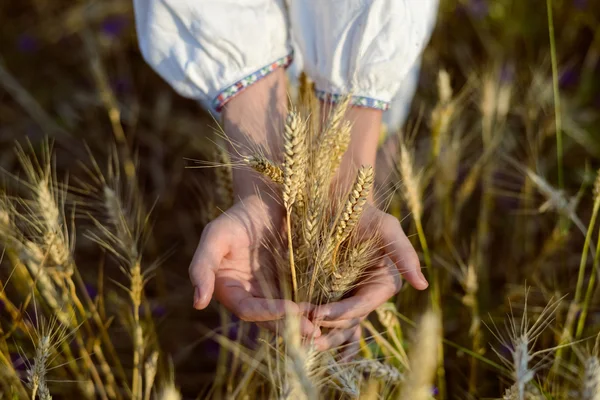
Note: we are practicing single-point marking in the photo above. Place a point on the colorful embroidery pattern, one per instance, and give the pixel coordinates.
(243, 83)
(359, 101)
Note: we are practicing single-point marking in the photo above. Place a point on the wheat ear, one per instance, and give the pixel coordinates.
(355, 203)
(379, 370)
(411, 182)
(265, 167)
(423, 359)
(590, 389)
(346, 274)
(294, 166)
(294, 176)
(224, 177)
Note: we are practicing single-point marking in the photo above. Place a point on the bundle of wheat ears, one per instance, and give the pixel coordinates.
(325, 253)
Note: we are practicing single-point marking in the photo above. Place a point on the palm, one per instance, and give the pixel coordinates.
(235, 261)
(252, 230)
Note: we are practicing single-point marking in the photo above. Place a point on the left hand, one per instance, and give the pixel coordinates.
(399, 259)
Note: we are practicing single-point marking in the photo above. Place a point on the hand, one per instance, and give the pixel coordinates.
(233, 262)
(398, 259)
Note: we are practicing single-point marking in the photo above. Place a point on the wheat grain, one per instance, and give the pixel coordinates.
(265, 167)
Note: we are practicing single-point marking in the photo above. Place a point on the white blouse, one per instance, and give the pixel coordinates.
(210, 50)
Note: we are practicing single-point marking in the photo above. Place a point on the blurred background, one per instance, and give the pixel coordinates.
(72, 72)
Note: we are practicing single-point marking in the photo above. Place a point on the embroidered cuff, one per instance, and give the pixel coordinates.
(358, 101)
(231, 91)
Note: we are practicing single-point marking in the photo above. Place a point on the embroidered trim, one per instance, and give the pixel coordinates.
(359, 101)
(230, 92)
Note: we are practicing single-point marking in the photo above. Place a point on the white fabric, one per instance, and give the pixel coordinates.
(202, 47)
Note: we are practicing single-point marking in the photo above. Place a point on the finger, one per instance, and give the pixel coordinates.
(340, 324)
(397, 246)
(306, 308)
(213, 246)
(352, 348)
(333, 339)
(376, 290)
(242, 303)
(307, 328)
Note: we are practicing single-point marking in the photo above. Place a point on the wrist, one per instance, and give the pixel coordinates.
(366, 129)
(249, 184)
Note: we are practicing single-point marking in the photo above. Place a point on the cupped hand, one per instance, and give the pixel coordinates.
(382, 281)
(233, 262)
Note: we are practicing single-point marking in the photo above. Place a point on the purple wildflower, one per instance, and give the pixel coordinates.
(158, 310)
(478, 8)
(211, 349)
(27, 43)
(91, 290)
(568, 78)
(121, 86)
(507, 73)
(114, 26)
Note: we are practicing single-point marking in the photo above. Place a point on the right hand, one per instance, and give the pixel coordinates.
(234, 261)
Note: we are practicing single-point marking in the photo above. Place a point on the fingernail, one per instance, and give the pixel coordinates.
(423, 279)
(196, 296)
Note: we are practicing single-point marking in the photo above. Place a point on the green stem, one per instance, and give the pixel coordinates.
(590, 287)
(571, 317)
(584, 255)
(557, 110)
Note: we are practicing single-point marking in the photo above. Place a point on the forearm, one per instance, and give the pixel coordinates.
(366, 128)
(253, 122)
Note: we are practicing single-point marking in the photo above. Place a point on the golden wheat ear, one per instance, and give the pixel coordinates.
(355, 203)
(224, 176)
(295, 158)
(265, 167)
(423, 359)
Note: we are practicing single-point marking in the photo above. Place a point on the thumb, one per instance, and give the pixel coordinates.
(212, 248)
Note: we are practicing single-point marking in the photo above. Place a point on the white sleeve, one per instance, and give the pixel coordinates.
(209, 50)
(366, 47)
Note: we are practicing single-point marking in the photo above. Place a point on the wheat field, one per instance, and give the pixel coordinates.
(108, 179)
